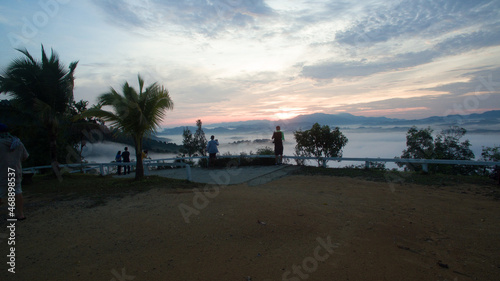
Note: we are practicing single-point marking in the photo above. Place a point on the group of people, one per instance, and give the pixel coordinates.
(278, 138)
(125, 157)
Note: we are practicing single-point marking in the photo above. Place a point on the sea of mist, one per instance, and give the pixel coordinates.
(384, 144)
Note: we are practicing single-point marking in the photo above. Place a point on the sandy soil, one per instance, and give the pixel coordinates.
(294, 228)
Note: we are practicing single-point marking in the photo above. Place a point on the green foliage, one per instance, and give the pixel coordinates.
(188, 142)
(40, 108)
(199, 139)
(263, 161)
(372, 166)
(194, 145)
(244, 159)
(421, 145)
(491, 154)
(320, 141)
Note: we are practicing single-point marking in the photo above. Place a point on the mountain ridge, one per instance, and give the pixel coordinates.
(477, 121)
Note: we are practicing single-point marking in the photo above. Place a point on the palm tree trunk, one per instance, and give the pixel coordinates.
(53, 151)
(139, 168)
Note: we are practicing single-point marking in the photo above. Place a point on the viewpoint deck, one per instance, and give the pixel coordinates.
(253, 175)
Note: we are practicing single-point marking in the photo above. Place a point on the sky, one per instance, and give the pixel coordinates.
(235, 60)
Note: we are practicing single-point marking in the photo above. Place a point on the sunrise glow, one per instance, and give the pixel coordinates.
(226, 61)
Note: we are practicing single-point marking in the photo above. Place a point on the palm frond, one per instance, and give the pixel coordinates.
(105, 115)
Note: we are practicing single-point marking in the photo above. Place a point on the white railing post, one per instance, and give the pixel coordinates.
(425, 167)
(188, 172)
(105, 167)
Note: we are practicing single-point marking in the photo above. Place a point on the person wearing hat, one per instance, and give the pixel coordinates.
(12, 153)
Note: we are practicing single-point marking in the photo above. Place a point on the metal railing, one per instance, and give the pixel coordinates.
(104, 168)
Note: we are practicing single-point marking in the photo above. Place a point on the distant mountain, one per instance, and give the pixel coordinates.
(341, 119)
(345, 119)
(487, 121)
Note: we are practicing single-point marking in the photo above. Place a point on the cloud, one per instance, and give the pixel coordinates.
(200, 16)
(461, 43)
(328, 70)
(451, 46)
(421, 107)
(122, 13)
(481, 82)
(417, 18)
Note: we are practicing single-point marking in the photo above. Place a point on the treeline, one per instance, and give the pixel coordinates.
(449, 144)
(55, 128)
(148, 143)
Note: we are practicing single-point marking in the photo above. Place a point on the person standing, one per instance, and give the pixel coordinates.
(126, 159)
(278, 138)
(118, 159)
(212, 151)
(12, 153)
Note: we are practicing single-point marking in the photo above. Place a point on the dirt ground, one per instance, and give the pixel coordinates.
(293, 228)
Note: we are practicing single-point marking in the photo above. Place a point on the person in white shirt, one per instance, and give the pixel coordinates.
(12, 153)
(212, 151)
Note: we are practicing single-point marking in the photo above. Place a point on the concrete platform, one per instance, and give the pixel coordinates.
(253, 175)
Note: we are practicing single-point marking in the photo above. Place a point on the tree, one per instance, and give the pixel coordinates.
(491, 153)
(42, 91)
(199, 139)
(78, 131)
(135, 113)
(320, 142)
(421, 145)
(194, 144)
(448, 146)
(188, 142)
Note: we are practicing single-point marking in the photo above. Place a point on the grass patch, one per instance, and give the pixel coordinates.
(97, 190)
(398, 176)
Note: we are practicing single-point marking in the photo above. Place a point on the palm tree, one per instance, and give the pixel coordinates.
(136, 114)
(42, 90)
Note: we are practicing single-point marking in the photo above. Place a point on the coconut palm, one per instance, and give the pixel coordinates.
(42, 91)
(134, 113)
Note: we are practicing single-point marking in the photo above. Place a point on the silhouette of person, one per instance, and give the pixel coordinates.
(126, 159)
(118, 159)
(278, 138)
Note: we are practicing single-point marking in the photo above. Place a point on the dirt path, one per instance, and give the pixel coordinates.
(293, 228)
